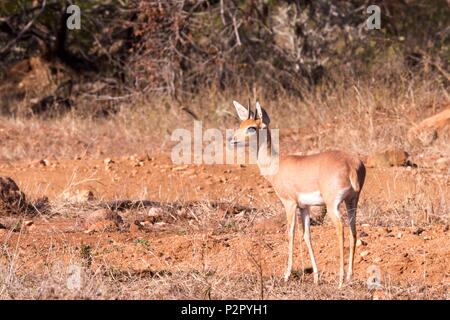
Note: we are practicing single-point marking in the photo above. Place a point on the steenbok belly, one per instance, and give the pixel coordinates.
(311, 198)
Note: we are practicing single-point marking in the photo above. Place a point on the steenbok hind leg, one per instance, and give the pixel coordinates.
(305, 216)
(336, 217)
(351, 205)
(290, 207)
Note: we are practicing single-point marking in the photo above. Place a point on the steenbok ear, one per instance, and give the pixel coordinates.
(262, 114)
(243, 112)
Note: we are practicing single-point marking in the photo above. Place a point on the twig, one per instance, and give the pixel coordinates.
(222, 13)
(236, 31)
(260, 273)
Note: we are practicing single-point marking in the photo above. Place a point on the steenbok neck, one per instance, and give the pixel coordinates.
(267, 156)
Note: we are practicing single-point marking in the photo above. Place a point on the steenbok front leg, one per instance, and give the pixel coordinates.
(290, 207)
(306, 222)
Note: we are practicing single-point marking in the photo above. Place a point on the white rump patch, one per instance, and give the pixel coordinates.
(311, 198)
(341, 195)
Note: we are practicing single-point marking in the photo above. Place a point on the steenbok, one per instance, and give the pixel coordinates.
(323, 179)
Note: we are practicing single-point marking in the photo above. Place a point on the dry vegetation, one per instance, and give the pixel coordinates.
(361, 116)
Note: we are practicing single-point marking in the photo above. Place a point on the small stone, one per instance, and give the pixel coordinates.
(363, 234)
(377, 260)
(134, 228)
(364, 253)
(360, 242)
(108, 161)
(399, 235)
(44, 162)
(139, 164)
(145, 224)
(155, 212)
(427, 238)
(28, 223)
(180, 168)
(418, 231)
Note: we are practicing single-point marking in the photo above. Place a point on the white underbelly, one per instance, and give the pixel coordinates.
(311, 198)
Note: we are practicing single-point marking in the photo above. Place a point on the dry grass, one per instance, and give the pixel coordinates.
(196, 222)
(359, 116)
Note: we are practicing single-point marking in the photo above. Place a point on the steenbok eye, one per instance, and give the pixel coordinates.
(251, 130)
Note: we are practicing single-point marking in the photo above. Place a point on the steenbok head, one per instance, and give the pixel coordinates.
(251, 124)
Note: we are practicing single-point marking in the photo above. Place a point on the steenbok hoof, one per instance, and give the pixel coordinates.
(286, 276)
(316, 278)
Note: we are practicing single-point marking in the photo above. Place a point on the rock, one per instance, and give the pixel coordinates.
(418, 231)
(103, 220)
(360, 242)
(135, 227)
(12, 200)
(102, 214)
(155, 212)
(399, 235)
(388, 158)
(44, 162)
(108, 161)
(103, 226)
(427, 130)
(28, 223)
(365, 253)
(180, 168)
(145, 224)
(377, 260)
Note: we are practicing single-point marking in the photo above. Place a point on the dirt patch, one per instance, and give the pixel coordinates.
(204, 224)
